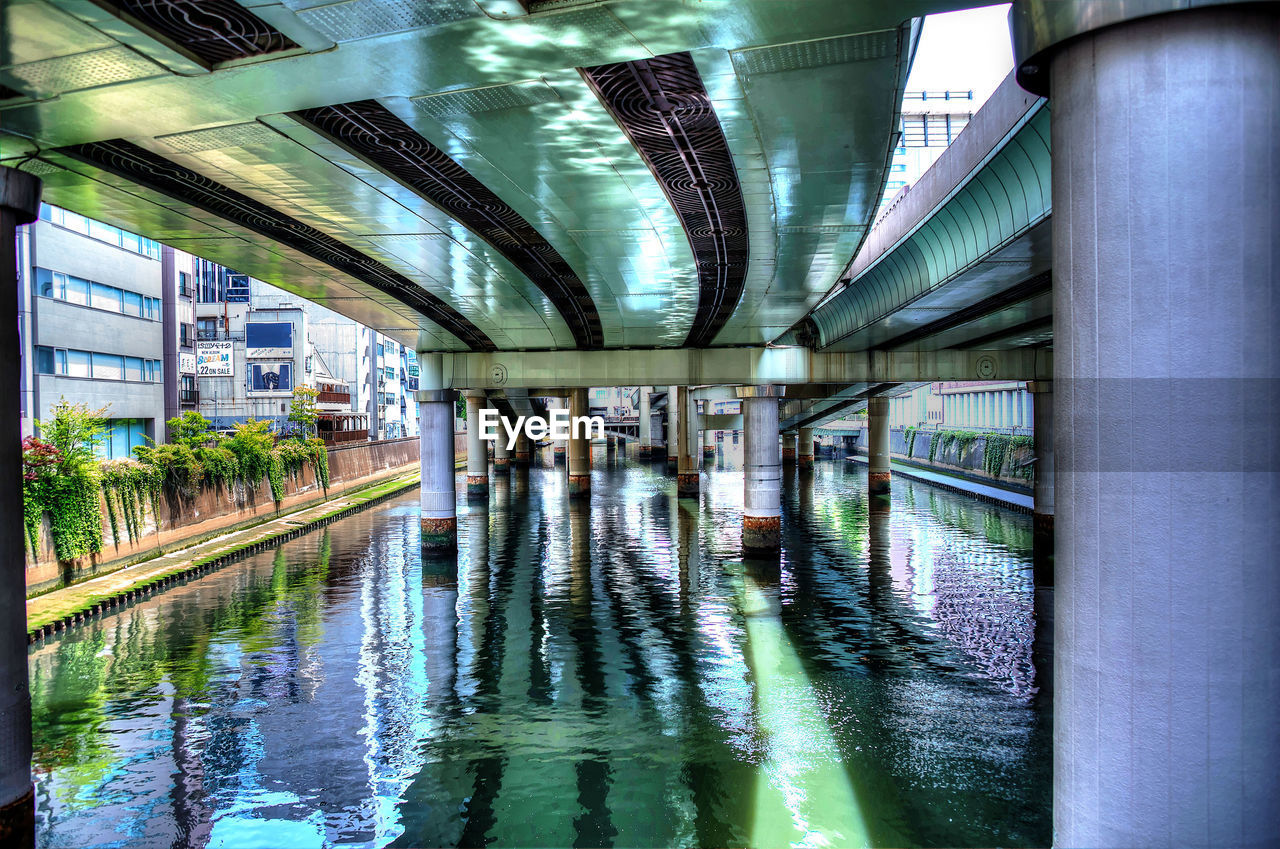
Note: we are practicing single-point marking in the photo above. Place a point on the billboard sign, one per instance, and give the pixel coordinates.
(186, 363)
(213, 359)
(271, 377)
(268, 339)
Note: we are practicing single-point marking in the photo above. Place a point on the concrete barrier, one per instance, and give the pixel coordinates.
(216, 510)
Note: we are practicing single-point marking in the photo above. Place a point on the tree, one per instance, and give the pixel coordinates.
(190, 429)
(303, 410)
(75, 430)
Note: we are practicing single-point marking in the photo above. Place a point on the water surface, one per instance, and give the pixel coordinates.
(605, 675)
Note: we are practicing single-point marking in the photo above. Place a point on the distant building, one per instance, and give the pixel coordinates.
(964, 404)
(96, 308)
(382, 374)
(931, 120)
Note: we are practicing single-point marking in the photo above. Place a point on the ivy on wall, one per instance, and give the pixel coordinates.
(62, 478)
(999, 448)
(943, 440)
(910, 435)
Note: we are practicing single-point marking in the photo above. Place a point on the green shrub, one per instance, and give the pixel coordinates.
(220, 464)
(60, 477)
(178, 469)
(251, 444)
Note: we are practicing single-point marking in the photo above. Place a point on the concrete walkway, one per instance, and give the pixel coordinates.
(986, 492)
(81, 598)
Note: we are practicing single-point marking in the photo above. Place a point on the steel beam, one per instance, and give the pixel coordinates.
(761, 365)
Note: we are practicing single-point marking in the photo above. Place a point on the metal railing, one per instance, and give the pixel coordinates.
(218, 335)
(189, 396)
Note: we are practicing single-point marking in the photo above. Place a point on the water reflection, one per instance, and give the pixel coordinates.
(586, 674)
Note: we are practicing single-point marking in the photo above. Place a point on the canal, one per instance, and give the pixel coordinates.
(611, 675)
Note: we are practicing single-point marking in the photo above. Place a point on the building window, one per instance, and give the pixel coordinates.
(108, 367)
(99, 366)
(77, 291)
(45, 360)
(131, 242)
(77, 363)
(134, 304)
(104, 297)
(120, 437)
(87, 293)
(184, 284)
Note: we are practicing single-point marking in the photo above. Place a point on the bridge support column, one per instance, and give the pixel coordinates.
(524, 456)
(1042, 511)
(805, 451)
(878, 446)
(789, 448)
(1166, 233)
(645, 449)
(501, 455)
(673, 428)
(579, 447)
(762, 472)
(477, 450)
(435, 457)
(559, 448)
(19, 204)
(686, 442)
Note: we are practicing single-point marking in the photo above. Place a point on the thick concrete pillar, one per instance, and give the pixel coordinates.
(19, 204)
(1042, 511)
(673, 427)
(1166, 263)
(477, 450)
(804, 452)
(435, 457)
(579, 447)
(501, 455)
(762, 471)
(524, 454)
(645, 449)
(789, 448)
(559, 447)
(878, 446)
(686, 442)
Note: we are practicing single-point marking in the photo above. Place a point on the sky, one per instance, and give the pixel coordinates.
(964, 50)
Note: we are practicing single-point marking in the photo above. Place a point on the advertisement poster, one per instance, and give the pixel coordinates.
(186, 363)
(271, 377)
(213, 359)
(267, 339)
